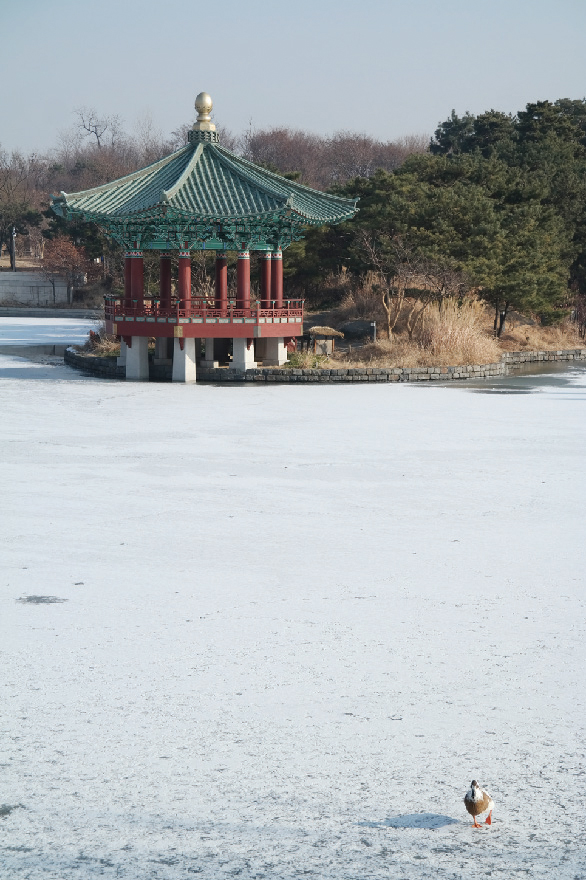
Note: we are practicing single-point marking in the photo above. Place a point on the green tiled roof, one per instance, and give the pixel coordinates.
(205, 193)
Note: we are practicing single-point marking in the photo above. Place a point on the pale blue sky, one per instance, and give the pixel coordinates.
(386, 68)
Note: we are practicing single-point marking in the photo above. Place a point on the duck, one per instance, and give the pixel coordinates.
(477, 801)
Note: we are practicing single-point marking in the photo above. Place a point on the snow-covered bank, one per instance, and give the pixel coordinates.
(299, 621)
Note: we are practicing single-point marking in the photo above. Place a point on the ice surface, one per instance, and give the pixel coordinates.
(299, 621)
(42, 331)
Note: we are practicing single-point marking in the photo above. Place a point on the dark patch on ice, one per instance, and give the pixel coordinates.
(6, 809)
(414, 820)
(40, 600)
(106, 863)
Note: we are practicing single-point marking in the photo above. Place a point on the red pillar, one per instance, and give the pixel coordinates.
(243, 281)
(277, 279)
(127, 280)
(165, 281)
(222, 283)
(184, 280)
(265, 281)
(137, 280)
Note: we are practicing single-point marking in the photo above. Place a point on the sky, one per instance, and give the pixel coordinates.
(388, 69)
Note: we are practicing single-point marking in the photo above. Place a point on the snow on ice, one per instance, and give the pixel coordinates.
(295, 622)
(44, 331)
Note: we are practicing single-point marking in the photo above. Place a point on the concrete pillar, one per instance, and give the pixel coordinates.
(184, 367)
(277, 279)
(265, 281)
(208, 360)
(260, 348)
(163, 350)
(184, 281)
(137, 360)
(137, 281)
(276, 352)
(243, 355)
(221, 350)
(221, 283)
(165, 281)
(243, 281)
(121, 359)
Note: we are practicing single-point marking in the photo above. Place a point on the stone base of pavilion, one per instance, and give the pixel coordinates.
(183, 355)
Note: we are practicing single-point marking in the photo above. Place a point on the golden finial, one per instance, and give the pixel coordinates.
(203, 105)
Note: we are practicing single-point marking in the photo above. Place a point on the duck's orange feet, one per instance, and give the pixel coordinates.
(476, 825)
(488, 819)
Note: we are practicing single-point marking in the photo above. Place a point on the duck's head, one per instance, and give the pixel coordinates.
(473, 784)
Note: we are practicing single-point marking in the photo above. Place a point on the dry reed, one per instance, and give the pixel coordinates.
(454, 332)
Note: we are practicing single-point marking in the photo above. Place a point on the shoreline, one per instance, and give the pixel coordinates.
(107, 367)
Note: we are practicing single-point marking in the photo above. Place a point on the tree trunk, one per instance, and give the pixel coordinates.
(502, 319)
(387, 308)
(496, 318)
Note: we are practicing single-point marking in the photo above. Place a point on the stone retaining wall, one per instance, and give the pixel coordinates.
(97, 366)
(31, 288)
(104, 366)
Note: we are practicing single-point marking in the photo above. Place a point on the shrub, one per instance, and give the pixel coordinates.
(306, 360)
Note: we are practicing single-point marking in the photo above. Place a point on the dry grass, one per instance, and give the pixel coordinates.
(457, 333)
(519, 336)
(454, 333)
(324, 331)
(307, 360)
(360, 301)
(451, 335)
(101, 344)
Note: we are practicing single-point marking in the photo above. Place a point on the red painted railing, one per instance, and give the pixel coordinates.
(118, 310)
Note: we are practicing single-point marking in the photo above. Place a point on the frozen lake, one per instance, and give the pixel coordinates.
(296, 622)
(45, 331)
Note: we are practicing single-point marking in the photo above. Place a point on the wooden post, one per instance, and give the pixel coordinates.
(277, 279)
(184, 281)
(137, 281)
(265, 281)
(165, 281)
(127, 280)
(222, 283)
(243, 281)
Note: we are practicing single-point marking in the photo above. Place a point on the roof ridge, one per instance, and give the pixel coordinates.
(168, 194)
(134, 175)
(250, 176)
(284, 181)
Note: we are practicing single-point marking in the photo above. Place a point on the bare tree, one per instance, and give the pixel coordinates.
(62, 259)
(404, 276)
(92, 125)
(396, 267)
(325, 161)
(19, 201)
(437, 282)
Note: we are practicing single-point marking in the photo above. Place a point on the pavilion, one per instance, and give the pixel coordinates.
(203, 197)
